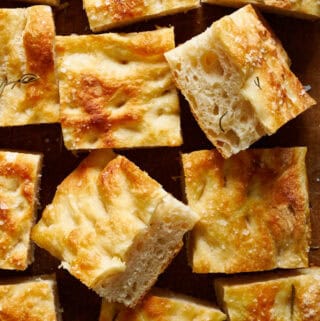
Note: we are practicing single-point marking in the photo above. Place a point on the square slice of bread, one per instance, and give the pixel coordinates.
(19, 180)
(28, 87)
(121, 96)
(103, 15)
(46, 2)
(163, 305)
(293, 295)
(302, 8)
(253, 207)
(113, 227)
(236, 78)
(33, 299)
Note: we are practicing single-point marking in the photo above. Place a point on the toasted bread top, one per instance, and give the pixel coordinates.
(28, 90)
(254, 210)
(97, 213)
(162, 306)
(28, 300)
(104, 15)
(122, 96)
(19, 175)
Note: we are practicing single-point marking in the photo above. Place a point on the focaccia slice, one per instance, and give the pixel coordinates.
(236, 78)
(113, 227)
(123, 95)
(28, 87)
(253, 207)
(103, 15)
(19, 180)
(291, 296)
(307, 295)
(300, 8)
(29, 299)
(163, 305)
(48, 2)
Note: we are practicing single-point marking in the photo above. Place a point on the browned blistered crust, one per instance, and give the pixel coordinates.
(103, 15)
(123, 96)
(18, 191)
(101, 215)
(237, 79)
(292, 295)
(248, 43)
(162, 306)
(298, 8)
(254, 210)
(28, 300)
(48, 2)
(27, 41)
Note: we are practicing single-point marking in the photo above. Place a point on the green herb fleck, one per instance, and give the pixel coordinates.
(257, 82)
(25, 79)
(220, 121)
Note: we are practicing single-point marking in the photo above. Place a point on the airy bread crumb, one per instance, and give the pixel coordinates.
(113, 227)
(236, 78)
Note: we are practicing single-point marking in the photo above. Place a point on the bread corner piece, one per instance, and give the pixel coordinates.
(293, 295)
(236, 78)
(33, 299)
(113, 227)
(103, 15)
(253, 207)
(45, 2)
(19, 180)
(163, 305)
(309, 9)
(28, 84)
(123, 95)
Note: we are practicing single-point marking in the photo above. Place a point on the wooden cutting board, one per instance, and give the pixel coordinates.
(300, 38)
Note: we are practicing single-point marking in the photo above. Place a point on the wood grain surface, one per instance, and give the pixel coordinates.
(300, 38)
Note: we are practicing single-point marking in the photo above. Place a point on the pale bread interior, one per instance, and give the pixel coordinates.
(221, 111)
(150, 254)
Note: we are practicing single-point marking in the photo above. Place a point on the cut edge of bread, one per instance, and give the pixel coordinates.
(36, 205)
(214, 87)
(151, 253)
(230, 122)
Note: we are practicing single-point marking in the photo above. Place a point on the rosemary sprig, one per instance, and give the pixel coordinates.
(220, 121)
(257, 82)
(25, 79)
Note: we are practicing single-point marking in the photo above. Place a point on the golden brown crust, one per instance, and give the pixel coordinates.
(299, 8)
(237, 80)
(307, 295)
(18, 191)
(104, 15)
(101, 212)
(162, 306)
(279, 95)
(254, 210)
(27, 49)
(47, 2)
(32, 300)
(123, 96)
(271, 296)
